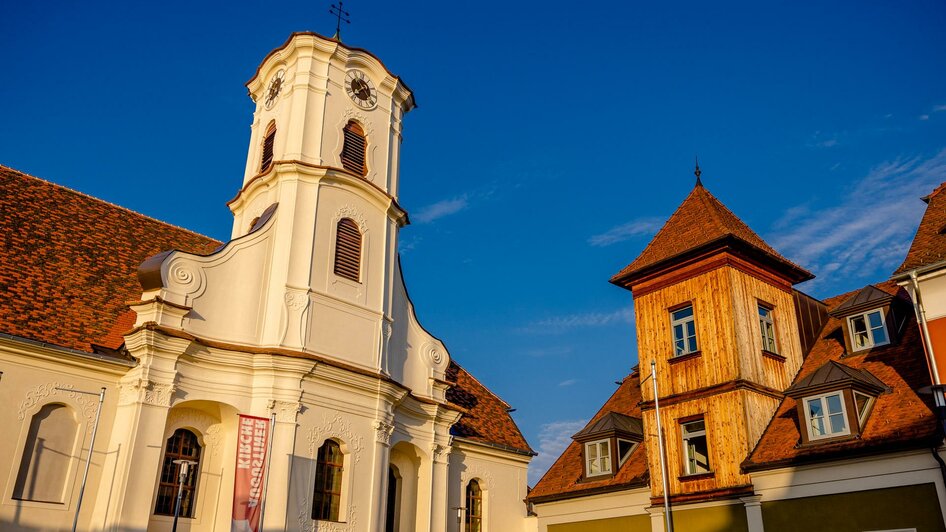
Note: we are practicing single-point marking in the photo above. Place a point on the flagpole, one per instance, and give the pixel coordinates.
(660, 443)
(88, 459)
(269, 462)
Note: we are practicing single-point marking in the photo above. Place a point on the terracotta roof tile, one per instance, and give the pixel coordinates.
(700, 220)
(899, 418)
(929, 244)
(563, 479)
(486, 418)
(69, 262)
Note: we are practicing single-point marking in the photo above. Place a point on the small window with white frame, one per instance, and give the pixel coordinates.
(863, 402)
(598, 458)
(684, 331)
(826, 416)
(695, 447)
(868, 330)
(625, 448)
(767, 327)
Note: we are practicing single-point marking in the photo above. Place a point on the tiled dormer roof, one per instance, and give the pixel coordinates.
(867, 298)
(564, 479)
(929, 244)
(69, 261)
(900, 419)
(612, 423)
(699, 222)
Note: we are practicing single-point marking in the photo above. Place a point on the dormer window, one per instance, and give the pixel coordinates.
(684, 331)
(834, 401)
(868, 330)
(826, 417)
(607, 443)
(597, 458)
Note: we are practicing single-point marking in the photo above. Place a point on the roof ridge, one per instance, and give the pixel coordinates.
(106, 202)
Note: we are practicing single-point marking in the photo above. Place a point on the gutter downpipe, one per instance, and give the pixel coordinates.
(937, 385)
(660, 451)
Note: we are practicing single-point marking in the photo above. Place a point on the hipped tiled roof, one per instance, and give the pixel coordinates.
(487, 418)
(563, 479)
(68, 262)
(900, 418)
(864, 299)
(834, 373)
(699, 221)
(929, 244)
(612, 422)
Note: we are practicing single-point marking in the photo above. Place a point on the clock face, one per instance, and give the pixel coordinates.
(360, 89)
(275, 86)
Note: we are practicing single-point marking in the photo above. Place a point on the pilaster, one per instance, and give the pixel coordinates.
(754, 512)
(280, 471)
(382, 457)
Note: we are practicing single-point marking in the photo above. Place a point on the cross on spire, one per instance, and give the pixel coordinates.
(697, 172)
(340, 16)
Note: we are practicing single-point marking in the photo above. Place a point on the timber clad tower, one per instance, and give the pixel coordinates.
(699, 288)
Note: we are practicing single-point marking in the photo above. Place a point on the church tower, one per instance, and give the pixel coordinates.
(715, 309)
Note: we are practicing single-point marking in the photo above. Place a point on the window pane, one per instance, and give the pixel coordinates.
(681, 349)
(678, 332)
(875, 319)
(837, 423)
(691, 328)
(683, 313)
(880, 335)
(861, 401)
(834, 403)
(692, 344)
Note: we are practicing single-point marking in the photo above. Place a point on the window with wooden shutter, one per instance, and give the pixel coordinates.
(269, 143)
(348, 250)
(353, 150)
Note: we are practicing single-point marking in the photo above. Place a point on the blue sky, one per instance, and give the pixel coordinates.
(551, 141)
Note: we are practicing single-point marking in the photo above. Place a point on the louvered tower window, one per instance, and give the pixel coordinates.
(348, 250)
(353, 151)
(269, 142)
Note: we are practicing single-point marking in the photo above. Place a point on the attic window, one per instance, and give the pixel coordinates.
(868, 330)
(826, 416)
(348, 250)
(354, 148)
(625, 448)
(597, 458)
(269, 144)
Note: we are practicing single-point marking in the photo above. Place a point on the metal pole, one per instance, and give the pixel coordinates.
(269, 462)
(88, 460)
(660, 443)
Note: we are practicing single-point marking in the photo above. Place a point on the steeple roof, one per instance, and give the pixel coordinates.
(702, 222)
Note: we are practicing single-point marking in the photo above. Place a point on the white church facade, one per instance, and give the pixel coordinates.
(302, 314)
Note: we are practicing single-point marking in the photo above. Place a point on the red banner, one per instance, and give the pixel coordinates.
(249, 480)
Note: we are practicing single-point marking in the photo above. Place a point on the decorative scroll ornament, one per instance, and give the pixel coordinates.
(296, 300)
(349, 211)
(85, 402)
(202, 422)
(337, 427)
(383, 431)
(147, 392)
(185, 278)
(362, 118)
(434, 355)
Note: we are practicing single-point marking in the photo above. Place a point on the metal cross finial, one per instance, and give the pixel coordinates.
(340, 15)
(697, 172)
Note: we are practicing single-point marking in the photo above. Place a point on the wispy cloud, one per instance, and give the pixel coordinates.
(567, 322)
(939, 108)
(821, 139)
(408, 244)
(553, 439)
(870, 229)
(924, 117)
(627, 231)
(442, 208)
(568, 382)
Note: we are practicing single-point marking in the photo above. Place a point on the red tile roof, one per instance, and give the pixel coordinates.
(900, 418)
(486, 418)
(563, 479)
(699, 221)
(929, 244)
(69, 262)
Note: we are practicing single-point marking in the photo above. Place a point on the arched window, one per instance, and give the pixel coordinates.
(353, 150)
(182, 445)
(269, 143)
(328, 482)
(348, 250)
(474, 507)
(47, 457)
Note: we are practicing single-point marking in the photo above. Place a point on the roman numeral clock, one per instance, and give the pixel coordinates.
(360, 89)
